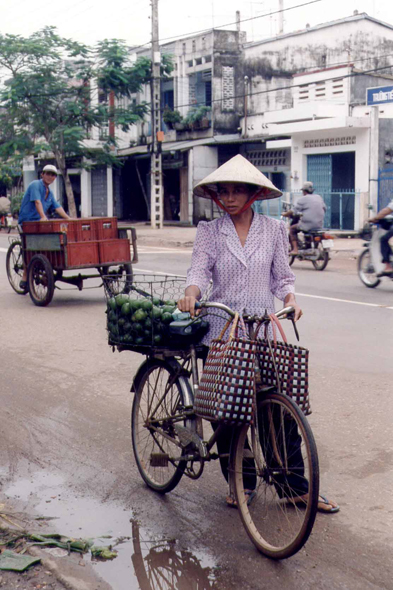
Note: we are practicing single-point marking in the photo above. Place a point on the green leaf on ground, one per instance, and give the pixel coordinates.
(16, 562)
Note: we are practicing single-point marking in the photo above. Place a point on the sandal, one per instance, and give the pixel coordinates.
(323, 504)
(250, 495)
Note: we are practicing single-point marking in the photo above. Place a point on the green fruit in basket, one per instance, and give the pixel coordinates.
(147, 334)
(148, 323)
(156, 312)
(167, 318)
(126, 308)
(121, 321)
(168, 309)
(138, 328)
(156, 301)
(121, 299)
(140, 315)
(112, 316)
(128, 339)
(158, 328)
(157, 339)
(114, 330)
(134, 304)
(171, 303)
(146, 305)
(127, 327)
(112, 303)
(139, 341)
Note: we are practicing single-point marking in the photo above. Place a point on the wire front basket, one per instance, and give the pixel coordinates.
(140, 308)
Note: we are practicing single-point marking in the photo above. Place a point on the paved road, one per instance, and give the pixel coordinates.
(66, 449)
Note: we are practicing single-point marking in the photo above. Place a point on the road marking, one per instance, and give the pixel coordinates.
(163, 248)
(344, 300)
(3, 249)
(143, 251)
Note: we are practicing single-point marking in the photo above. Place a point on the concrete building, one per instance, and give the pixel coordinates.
(294, 105)
(207, 78)
(315, 123)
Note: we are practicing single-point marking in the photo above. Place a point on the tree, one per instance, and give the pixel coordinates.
(46, 105)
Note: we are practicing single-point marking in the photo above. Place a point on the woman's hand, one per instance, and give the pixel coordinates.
(187, 303)
(290, 300)
(191, 296)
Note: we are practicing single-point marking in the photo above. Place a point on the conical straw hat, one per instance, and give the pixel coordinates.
(237, 169)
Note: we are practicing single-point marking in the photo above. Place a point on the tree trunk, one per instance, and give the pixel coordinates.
(68, 187)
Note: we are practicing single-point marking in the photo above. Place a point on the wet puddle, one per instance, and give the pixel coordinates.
(146, 560)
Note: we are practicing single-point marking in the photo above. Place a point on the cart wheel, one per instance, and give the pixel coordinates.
(122, 278)
(14, 265)
(41, 280)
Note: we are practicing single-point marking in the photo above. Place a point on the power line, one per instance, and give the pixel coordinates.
(230, 24)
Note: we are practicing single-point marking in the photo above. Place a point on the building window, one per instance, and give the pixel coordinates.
(203, 42)
(198, 61)
(194, 46)
(303, 92)
(268, 158)
(330, 141)
(228, 88)
(208, 93)
(184, 48)
(207, 58)
(200, 88)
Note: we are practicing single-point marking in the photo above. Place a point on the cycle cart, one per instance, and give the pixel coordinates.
(167, 436)
(49, 248)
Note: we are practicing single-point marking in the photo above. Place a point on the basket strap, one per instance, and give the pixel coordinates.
(234, 323)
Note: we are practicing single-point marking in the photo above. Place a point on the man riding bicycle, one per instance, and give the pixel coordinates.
(385, 247)
(38, 200)
(312, 209)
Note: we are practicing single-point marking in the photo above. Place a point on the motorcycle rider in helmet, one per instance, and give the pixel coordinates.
(312, 208)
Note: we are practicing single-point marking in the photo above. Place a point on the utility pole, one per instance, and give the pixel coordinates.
(156, 188)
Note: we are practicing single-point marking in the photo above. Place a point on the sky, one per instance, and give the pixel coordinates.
(91, 20)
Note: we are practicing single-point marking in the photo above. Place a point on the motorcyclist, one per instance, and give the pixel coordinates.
(385, 247)
(312, 209)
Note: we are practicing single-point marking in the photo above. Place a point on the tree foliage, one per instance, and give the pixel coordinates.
(47, 104)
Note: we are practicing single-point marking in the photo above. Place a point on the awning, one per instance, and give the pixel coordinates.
(173, 146)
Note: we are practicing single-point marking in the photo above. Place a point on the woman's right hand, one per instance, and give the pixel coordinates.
(187, 303)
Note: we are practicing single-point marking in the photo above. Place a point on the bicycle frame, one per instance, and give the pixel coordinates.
(253, 322)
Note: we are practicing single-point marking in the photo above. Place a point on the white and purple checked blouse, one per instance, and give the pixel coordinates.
(245, 278)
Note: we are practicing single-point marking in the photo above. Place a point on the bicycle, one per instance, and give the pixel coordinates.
(168, 442)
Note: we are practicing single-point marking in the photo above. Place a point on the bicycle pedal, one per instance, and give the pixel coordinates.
(159, 460)
(187, 437)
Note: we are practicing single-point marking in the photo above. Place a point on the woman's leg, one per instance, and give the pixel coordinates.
(224, 442)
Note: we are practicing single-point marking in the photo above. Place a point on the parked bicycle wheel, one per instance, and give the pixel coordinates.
(14, 265)
(285, 456)
(366, 270)
(157, 407)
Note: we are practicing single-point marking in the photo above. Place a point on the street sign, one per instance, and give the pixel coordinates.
(379, 95)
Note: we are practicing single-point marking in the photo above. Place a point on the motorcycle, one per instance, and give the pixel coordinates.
(314, 245)
(370, 260)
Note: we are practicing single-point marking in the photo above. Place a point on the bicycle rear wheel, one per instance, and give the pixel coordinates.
(157, 407)
(277, 520)
(14, 265)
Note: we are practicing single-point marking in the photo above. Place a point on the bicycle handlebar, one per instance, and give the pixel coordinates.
(284, 312)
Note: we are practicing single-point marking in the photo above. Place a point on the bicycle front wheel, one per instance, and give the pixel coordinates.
(157, 407)
(280, 516)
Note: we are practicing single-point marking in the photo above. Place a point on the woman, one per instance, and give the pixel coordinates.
(246, 256)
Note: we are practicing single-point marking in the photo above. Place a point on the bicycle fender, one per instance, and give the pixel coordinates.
(145, 365)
